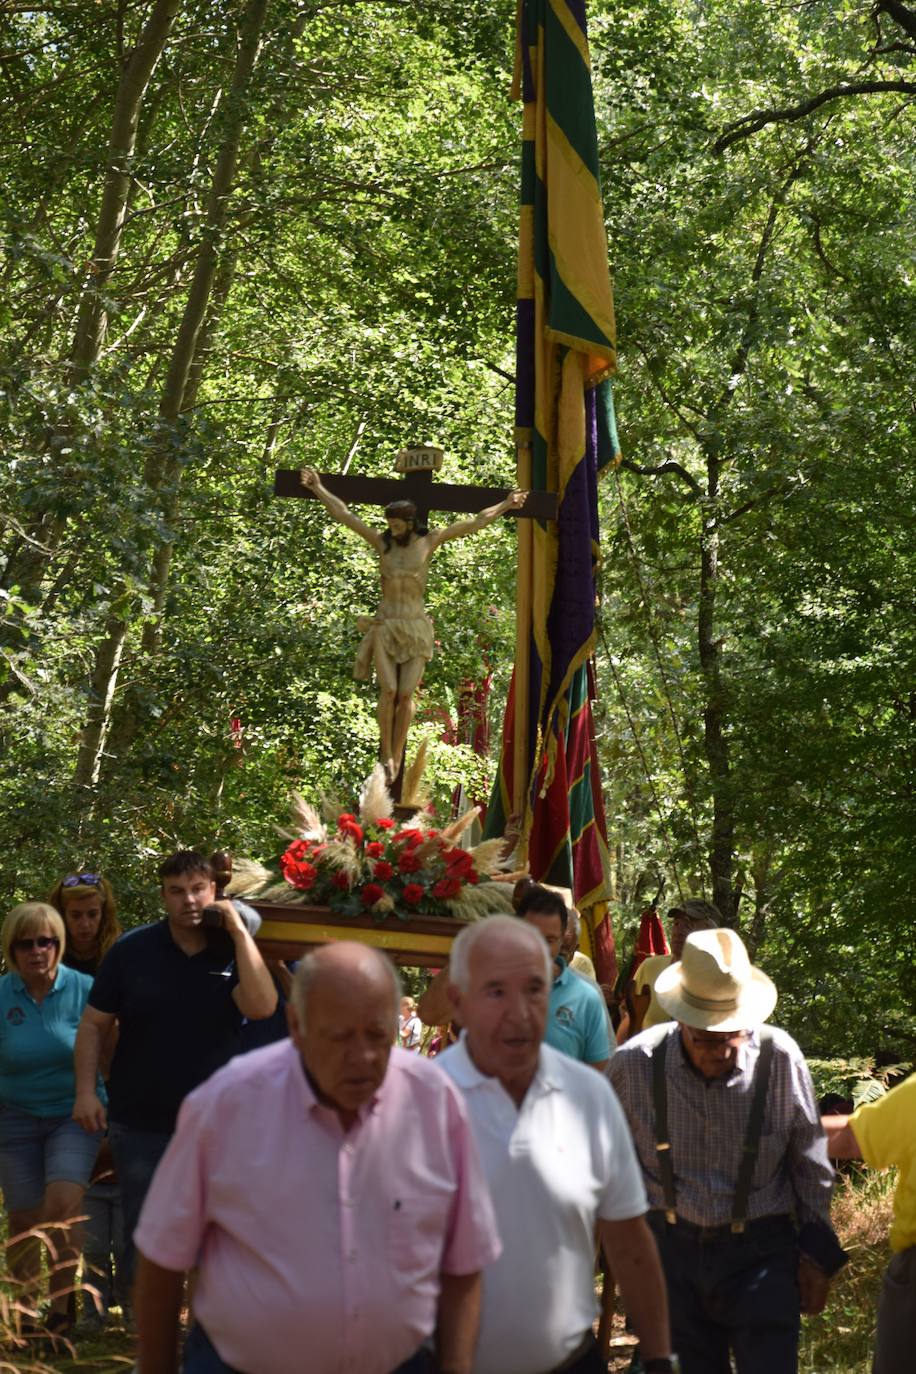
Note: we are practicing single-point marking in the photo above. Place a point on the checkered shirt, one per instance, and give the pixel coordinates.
(707, 1120)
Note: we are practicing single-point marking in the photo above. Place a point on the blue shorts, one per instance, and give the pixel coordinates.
(38, 1150)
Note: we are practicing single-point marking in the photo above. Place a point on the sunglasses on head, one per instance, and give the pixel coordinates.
(36, 942)
(82, 880)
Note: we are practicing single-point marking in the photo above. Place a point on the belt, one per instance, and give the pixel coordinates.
(722, 1232)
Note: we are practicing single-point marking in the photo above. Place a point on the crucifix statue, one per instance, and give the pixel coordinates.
(398, 639)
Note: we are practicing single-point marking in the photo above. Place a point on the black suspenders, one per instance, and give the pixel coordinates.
(751, 1136)
(662, 1143)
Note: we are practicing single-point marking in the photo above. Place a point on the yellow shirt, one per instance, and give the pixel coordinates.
(886, 1134)
(644, 981)
(581, 963)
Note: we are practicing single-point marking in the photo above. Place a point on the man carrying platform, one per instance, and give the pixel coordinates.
(577, 1019)
(178, 993)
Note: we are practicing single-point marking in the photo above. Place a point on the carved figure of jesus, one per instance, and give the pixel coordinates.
(398, 639)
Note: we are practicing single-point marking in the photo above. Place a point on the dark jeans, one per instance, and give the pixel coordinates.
(732, 1292)
(136, 1156)
(201, 1357)
(897, 1316)
(103, 1248)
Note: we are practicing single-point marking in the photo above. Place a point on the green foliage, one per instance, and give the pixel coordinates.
(153, 589)
(858, 1079)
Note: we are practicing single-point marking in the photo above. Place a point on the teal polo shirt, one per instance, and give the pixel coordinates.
(36, 1042)
(577, 1018)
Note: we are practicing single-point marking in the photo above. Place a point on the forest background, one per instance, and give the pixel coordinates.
(244, 234)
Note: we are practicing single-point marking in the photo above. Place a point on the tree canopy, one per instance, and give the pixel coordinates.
(260, 233)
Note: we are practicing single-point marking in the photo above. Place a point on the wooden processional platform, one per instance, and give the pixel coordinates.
(290, 931)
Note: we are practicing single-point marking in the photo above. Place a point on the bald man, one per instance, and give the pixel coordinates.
(330, 1191)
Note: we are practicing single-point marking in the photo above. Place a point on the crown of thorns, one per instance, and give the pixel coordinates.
(401, 510)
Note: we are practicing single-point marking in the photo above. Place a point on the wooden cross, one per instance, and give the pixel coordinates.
(417, 485)
(418, 465)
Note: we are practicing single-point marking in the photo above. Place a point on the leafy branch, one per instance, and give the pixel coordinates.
(758, 119)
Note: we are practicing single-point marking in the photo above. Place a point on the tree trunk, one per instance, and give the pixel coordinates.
(101, 690)
(715, 711)
(761, 866)
(163, 472)
(722, 839)
(25, 565)
(92, 317)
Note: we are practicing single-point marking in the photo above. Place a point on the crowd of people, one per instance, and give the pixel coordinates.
(268, 1145)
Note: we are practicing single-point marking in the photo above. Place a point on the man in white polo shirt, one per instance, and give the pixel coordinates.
(560, 1164)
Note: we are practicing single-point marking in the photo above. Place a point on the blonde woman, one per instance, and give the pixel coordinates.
(87, 903)
(45, 1156)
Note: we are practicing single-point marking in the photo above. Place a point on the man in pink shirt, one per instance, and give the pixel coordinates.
(329, 1189)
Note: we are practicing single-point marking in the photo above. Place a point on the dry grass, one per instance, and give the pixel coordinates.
(27, 1348)
(840, 1341)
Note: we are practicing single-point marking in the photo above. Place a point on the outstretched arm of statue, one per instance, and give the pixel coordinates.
(339, 509)
(514, 501)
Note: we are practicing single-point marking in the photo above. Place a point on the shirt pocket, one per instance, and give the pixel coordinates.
(417, 1231)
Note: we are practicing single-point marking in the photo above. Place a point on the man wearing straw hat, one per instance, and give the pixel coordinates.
(726, 1127)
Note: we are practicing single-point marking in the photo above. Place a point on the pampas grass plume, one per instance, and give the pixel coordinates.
(306, 820)
(375, 800)
(486, 856)
(413, 792)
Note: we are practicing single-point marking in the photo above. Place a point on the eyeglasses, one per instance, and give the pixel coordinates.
(82, 880)
(36, 942)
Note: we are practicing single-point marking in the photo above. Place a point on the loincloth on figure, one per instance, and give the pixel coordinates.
(401, 637)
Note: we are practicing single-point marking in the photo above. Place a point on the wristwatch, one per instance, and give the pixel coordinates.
(663, 1364)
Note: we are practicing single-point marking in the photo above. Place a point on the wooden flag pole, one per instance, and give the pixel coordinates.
(523, 594)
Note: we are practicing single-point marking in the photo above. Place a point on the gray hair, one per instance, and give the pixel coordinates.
(460, 959)
(310, 968)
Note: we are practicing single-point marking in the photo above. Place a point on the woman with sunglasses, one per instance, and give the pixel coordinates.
(45, 1157)
(87, 903)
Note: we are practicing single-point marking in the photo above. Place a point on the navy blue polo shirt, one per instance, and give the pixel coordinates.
(178, 1022)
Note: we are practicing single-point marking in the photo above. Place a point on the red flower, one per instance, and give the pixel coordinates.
(375, 849)
(300, 875)
(340, 881)
(409, 837)
(409, 862)
(299, 849)
(348, 825)
(385, 823)
(371, 894)
(446, 888)
(412, 893)
(459, 863)
(383, 870)
(295, 867)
